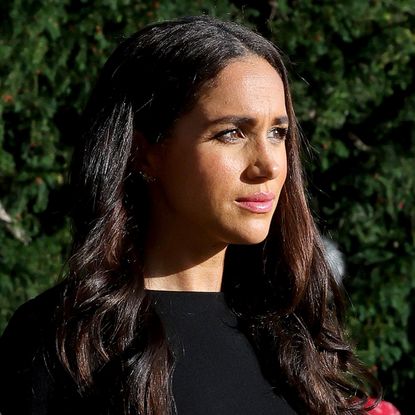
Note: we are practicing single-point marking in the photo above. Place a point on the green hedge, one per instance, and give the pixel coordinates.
(352, 66)
(50, 53)
(354, 88)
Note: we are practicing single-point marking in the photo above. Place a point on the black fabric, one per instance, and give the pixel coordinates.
(217, 371)
(216, 368)
(31, 379)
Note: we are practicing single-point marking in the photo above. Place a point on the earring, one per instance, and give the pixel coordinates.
(147, 178)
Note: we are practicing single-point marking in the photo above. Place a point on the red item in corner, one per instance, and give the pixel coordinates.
(383, 408)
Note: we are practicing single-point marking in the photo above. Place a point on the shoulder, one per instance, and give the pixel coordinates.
(28, 329)
(33, 317)
(21, 350)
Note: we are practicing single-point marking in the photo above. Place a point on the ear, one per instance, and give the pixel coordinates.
(146, 156)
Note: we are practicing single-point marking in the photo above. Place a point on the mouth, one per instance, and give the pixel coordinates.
(258, 202)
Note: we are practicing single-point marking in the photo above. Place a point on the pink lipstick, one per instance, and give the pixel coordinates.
(261, 202)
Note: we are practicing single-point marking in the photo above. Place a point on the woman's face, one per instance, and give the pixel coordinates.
(220, 172)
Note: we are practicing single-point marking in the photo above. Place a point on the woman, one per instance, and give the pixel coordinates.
(197, 282)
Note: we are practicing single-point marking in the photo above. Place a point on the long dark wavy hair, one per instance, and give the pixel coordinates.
(287, 302)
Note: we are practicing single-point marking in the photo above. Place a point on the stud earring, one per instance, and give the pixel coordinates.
(147, 178)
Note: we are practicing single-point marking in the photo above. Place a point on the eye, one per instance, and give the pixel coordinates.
(230, 136)
(278, 133)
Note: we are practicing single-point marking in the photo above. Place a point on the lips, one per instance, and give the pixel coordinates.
(261, 202)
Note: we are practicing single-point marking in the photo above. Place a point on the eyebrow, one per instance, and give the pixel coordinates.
(241, 120)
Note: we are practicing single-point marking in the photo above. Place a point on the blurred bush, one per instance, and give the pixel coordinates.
(50, 54)
(354, 89)
(352, 67)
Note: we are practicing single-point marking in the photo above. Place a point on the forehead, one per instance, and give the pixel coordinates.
(250, 85)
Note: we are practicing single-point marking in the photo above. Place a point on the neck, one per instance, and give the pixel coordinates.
(202, 277)
(177, 261)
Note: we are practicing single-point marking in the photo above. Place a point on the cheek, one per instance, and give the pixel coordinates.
(284, 166)
(217, 171)
(200, 177)
(282, 163)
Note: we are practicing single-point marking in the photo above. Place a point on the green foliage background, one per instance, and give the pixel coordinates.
(352, 67)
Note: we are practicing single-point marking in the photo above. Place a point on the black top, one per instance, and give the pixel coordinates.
(216, 369)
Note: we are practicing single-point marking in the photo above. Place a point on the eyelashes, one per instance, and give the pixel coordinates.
(230, 136)
(279, 133)
(234, 135)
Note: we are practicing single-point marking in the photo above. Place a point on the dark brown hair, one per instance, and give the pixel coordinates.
(288, 303)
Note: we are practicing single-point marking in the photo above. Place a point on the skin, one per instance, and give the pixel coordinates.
(205, 166)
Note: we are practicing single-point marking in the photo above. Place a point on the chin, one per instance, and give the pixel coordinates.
(250, 237)
(253, 240)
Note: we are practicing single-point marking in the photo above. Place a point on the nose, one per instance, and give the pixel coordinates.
(265, 162)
